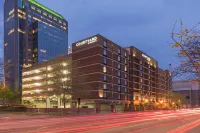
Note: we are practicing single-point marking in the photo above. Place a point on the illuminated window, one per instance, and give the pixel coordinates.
(11, 11)
(44, 13)
(21, 31)
(50, 16)
(125, 69)
(104, 69)
(141, 80)
(11, 31)
(21, 16)
(104, 86)
(20, 11)
(55, 18)
(125, 54)
(5, 44)
(43, 50)
(32, 7)
(39, 10)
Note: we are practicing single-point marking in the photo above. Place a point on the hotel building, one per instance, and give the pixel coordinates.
(33, 33)
(116, 77)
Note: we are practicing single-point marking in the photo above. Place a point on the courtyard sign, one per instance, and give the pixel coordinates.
(88, 41)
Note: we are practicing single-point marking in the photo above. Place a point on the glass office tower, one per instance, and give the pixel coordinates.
(33, 33)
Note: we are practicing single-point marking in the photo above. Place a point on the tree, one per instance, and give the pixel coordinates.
(7, 95)
(178, 99)
(58, 79)
(187, 43)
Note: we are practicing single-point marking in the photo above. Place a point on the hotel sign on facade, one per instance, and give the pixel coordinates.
(88, 41)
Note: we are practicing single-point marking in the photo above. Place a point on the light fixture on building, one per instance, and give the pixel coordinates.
(49, 68)
(64, 64)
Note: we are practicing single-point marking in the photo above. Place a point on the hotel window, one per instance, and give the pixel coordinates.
(119, 73)
(119, 96)
(104, 94)
(119, 66)
(119, 81)
(119, 88)
(32, 7)
(55, 18)
(5, 44)
(50, 16)
(105, 78)
(119, 51)
(105, 61)
(105, 44)
(141, 68)
(119, 58)
(104, 69)
(140, 62)
(140, 74)
(125, 82)
(64, 24)
(125, 61)
(125, 68)
(44, 13)
(125, 75)
(140, 86)
(125, 89)
(125, 54)
(39, 10)
(104, 52)
(105, 86)
(141, 80)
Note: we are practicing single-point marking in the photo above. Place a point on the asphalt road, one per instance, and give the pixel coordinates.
(179, 121)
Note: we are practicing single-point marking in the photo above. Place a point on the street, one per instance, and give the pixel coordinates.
(179, 121)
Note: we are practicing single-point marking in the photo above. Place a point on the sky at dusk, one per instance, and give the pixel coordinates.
(145, 24)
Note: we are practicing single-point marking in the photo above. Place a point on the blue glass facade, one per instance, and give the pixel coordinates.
(51, 42)
(32, 34)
